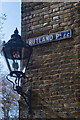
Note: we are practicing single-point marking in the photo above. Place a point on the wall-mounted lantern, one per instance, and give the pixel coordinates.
(17, 55)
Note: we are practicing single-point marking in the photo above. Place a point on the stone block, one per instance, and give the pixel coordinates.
(55, 26)
(56, 9)
(55, 17)
(67, 6)
(46, 16)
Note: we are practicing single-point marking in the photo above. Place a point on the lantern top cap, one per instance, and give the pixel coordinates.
(16, 35)
(16, 31)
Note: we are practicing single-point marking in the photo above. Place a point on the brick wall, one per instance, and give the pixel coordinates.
(54, 67)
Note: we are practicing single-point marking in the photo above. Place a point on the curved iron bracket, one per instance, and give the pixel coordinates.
(26, 96)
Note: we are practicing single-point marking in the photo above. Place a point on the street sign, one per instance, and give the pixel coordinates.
(49, 38)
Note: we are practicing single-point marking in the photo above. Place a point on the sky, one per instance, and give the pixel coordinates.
(13, 12)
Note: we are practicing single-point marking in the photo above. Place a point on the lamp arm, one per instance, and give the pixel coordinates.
(27, 62)
(26, 96)
(10, 81)
(28, 101)
(23, 95)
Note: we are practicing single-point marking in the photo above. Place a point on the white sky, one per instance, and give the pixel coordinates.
(13, 12)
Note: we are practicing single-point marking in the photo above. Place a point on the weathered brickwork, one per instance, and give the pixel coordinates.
(54, 67)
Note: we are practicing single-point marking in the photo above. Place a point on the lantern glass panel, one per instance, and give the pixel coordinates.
(14, 64)
(17, 57)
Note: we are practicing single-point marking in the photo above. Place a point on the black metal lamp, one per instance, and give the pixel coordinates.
(17, 55)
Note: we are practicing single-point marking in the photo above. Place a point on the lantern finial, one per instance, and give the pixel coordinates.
(16, 31)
